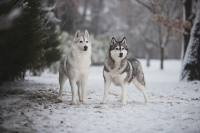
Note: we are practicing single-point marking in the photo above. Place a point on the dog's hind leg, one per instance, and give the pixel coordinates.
(120, 99)
(62, 79)
(79, 91)
(141, 88)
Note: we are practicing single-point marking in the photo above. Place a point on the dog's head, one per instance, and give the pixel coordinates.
(118, 49)
(82, 42)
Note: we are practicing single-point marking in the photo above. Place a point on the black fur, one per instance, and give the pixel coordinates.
(106, 69)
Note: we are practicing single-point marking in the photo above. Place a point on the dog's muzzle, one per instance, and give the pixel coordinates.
(85, 48)
(120, 54)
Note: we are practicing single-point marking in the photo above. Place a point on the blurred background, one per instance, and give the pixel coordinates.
(35, 34)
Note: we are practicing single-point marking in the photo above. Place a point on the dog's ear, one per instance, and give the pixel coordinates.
(77, 34)
(124, 40)
(86, 34)
(113, 41)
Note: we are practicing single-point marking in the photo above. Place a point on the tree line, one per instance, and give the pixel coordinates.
(30, 31)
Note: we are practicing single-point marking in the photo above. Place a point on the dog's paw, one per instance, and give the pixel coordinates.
(147, 101)
(103, 102)
(73, 103)
(59, 98)
(123, 104)
(80, 100)
(85, 102)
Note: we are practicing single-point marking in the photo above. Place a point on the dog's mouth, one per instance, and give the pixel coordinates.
(85, 48)
(121, 55)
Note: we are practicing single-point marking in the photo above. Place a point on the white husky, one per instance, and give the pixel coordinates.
(75, 67)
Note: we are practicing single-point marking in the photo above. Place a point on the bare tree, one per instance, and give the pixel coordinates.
(191, 62)
(187, 11)
(96, 8)
(68, 12)
(169, 9)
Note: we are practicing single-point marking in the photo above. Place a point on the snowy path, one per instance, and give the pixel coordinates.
(174, 107)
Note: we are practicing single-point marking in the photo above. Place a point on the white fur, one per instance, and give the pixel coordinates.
(115, 54)
(114, 75)
(141, 88)
(118, 80)
(79, 62)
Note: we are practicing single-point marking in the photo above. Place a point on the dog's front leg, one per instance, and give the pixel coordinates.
(83, 86)
(124, 95)
(73, 89)
(79, 91)
(106, 88)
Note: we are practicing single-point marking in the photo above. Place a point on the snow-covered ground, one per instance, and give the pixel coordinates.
(31, 106)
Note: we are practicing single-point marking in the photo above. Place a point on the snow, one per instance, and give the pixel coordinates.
(187, 59)
(31, 105)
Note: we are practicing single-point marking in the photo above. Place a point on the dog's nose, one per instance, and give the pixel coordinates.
(85, 48)
(121, 54)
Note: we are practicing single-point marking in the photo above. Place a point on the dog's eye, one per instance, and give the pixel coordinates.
(81, 41)
(116, 48)
(122, 48)
(86, 41)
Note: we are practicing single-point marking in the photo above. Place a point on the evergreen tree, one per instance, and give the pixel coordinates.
(26, 41)
(51, 51)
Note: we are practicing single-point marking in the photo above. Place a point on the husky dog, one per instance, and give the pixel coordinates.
(121, 71)
(75, 67)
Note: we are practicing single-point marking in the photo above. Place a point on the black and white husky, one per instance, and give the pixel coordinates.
(121, 71)
(75, 67)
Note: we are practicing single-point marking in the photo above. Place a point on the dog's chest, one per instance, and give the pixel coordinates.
(80, 64)
(116, 77)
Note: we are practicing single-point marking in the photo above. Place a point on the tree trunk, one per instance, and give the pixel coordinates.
(148, 59)
(191, 62)
(187, 10)
(148, 56)
(161, 57)
(96, 10)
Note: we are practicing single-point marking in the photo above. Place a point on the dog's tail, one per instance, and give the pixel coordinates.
(63, 62)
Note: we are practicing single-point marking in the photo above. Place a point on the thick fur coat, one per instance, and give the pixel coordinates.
(121, 71)
(75, 67)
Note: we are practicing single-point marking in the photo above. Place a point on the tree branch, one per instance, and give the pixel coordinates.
(145, 5)
(144, 36)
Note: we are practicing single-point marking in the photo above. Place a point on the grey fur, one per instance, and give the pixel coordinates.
(119, 43)
(138, 72)
(136, 69)
(122, 71)
(135, 64)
